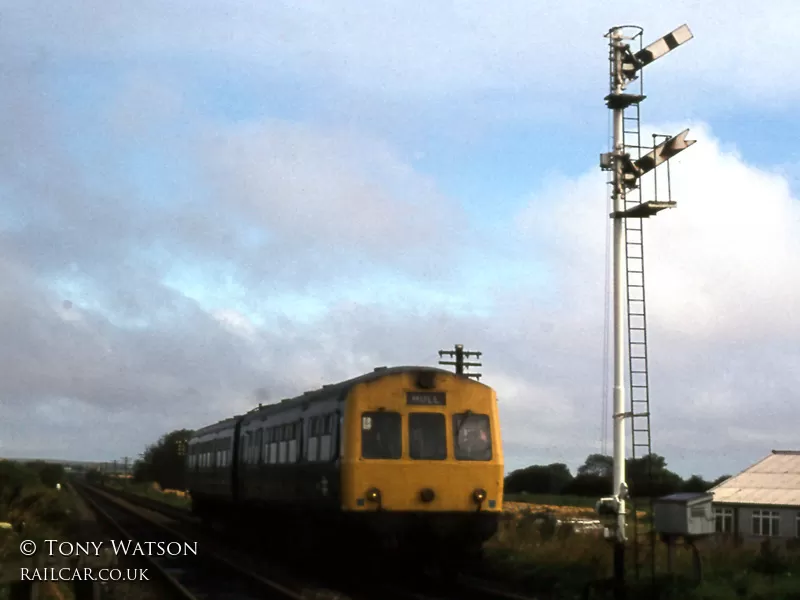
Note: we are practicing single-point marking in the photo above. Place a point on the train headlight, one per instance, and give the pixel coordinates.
(479, 496)
(374, 495)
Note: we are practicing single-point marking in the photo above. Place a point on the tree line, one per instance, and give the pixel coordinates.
(646, 477)
(165, 463)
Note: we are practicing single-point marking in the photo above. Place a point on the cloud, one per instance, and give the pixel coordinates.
(453, 53)
(331, 196)
(721, 275)
(721, 348)
(164, 268)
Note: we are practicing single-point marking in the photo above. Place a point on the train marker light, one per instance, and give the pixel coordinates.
(479, 496)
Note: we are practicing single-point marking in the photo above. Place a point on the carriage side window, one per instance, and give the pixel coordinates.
(273, 446)
(257, 446)
(472, 436)
(293, 439)
(313, 441)
(341, 435)
(326, 438)
(282, 445)
(427, 439)
(267, 439)
(381, 435)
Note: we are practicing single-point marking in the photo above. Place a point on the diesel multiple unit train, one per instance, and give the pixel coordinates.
(404, 457)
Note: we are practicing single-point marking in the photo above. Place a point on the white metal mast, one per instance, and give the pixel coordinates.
(626, 174)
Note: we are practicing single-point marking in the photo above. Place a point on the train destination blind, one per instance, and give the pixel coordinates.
(426, 398)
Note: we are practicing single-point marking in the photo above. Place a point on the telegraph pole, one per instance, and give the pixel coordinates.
(459, 354)
(626, 173)
(127, 458)
(114, 472)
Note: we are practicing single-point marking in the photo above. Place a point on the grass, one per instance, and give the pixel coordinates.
(150, 490)
(552, 499)
(544, 558)
(36, 513)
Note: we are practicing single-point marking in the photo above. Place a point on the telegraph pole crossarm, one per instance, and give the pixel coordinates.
(459, 354)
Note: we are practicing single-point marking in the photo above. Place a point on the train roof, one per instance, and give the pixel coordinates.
(218, 426)
(325, 392)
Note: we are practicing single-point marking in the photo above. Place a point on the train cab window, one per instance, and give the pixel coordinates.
(426, 436)
(472, 437)
(381, 434)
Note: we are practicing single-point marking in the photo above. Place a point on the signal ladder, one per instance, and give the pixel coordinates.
(636, 210)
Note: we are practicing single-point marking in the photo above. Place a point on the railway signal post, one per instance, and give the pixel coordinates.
(625, 67)
(459, 354)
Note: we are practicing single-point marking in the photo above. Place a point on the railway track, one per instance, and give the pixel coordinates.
(352, 584)
(191, 571)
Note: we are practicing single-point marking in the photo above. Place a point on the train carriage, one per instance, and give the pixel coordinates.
(407, 456)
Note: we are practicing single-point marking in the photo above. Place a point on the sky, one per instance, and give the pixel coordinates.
(206, 206)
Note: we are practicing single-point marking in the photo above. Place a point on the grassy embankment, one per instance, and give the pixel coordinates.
(543, 557)
(151, 490)
(540, 556)
(31, 510)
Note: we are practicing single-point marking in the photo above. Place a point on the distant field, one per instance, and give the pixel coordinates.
(567, 506)
(552, 499)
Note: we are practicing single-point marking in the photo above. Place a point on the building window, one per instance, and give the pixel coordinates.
(766, 523)
(724, 520)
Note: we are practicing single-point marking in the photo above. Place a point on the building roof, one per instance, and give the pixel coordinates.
(774, 480)
(681, 497)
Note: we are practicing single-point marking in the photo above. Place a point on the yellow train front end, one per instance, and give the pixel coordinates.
(422, 460)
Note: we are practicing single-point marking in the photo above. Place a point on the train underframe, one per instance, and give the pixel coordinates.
(451, 541)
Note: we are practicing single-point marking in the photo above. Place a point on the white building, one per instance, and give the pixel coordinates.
(763, 500)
